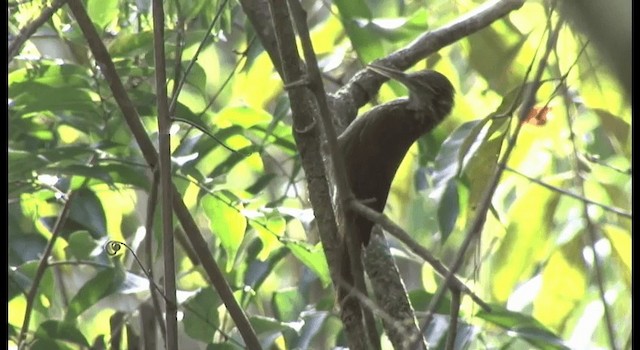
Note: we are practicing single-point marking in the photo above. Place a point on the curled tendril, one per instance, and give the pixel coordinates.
(113, 247)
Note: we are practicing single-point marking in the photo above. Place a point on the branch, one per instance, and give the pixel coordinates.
(42, 266)
(134, 123)
(586, 200)
(477, 224)
(307, 132)
(365, 84)
(396, 231)
(30, 29)
(164, 146)
(453, 320)
(352, 247)
(257, 12)
(591, 228)
(401, 325)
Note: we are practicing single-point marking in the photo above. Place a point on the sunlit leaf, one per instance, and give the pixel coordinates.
(103, 12)
(525, 241)
(313, 257)
(621, 242)
(269, 226)
(564, 282)
(227, 223)
(243, 116)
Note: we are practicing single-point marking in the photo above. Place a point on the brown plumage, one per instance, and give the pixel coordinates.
(374, 144)
(373, 147)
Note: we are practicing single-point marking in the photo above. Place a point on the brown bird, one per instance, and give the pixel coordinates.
(374, 144)
(373, 147)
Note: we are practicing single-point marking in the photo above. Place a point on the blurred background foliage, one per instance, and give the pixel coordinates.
(244, 184)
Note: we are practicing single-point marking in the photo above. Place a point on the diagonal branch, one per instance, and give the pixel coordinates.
(365, 84)
(477, 224)
(396, 231)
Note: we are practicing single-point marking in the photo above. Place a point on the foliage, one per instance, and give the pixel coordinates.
(242, 179)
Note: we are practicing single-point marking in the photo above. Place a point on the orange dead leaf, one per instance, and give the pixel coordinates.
(537, 116)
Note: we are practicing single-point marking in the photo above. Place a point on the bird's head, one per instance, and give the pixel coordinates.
(429, 90)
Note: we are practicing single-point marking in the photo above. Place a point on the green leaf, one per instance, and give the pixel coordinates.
(482, 165)
(42, 98)
(103, 12)
(266, 325)
(227, 223)
(80, 170)
(60, 330)
(524, 326)
(224, 346)
(400, 29)
(269, 226)
(124, 174)
(356, 16)
(524, 244)
(63, 153)
(621, 242)
(21, 164)
(105, 283)
(311, 256)
(420, 300)
(564, 284)
(87, 210)
(48, 344)
(81, 244)
(287, 304)
(243, 116)
(614, 127)
(46, 289)
(499, 71)
(448, 210)
(201, 319)
(131, 44)
(448, 163)
(51, 75)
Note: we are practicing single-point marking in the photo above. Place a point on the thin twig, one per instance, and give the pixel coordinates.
(617, 211)
(591, 230)
(174, 99)
(42, 266)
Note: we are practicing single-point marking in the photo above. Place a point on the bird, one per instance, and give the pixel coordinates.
(372, 148)
(374, 145)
